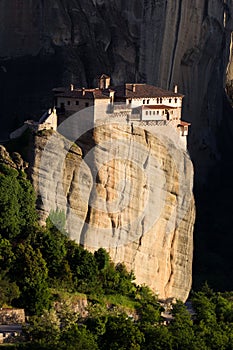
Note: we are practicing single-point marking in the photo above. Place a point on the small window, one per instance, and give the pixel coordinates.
(148, 101)
(170, 100)
(150, 112)
(68, 103)
(171, 112)
(146, 112)
(175, 100)
(77, 103)
(157, 112)
(144, 101)
(153, 112)
(162, 112)
(157, 100)
(161, 100)
(130, 101)
(86, 104)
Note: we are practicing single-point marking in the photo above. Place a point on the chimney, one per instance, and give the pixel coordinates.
(104, 82)
(71, 87)
(133, 87)
(83, 91)
(107, 82)
(175, 89)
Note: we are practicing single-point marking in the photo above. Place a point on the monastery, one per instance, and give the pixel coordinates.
(139, 104)
(147, 105)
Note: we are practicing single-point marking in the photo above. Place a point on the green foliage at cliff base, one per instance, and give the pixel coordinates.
(44, 272)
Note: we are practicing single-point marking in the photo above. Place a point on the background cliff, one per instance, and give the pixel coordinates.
(45, 44)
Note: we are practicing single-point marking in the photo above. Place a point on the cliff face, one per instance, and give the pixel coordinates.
(158, 42)
(128, 192)
(164, 42)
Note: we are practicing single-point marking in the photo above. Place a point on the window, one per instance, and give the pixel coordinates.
(157, 112)
(148, 101)
(161, 100)
(130, 101)
(157, 100)
(77, 103)
(170, 100)
(68, 103)
(153, 112)
(175, 100)
(146, 112)
(86, 104)
(150, 112)
(144, 101)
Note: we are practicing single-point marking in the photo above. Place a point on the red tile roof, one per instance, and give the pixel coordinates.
(83, 93)
(182, 123)
(121, 92)
(142, 91)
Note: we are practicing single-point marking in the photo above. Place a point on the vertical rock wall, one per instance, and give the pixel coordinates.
(129, 193)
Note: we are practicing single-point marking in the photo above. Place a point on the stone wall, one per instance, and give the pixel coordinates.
(12, 316)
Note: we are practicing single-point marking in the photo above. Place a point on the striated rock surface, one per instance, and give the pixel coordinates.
(128, 192)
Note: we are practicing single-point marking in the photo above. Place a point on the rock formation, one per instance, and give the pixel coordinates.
(14, 161)
(128, 192)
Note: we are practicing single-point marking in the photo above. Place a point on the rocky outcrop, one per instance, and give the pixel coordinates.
(14, 161)
(130, 192)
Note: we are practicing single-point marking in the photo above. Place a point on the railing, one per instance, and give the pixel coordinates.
(153, 123)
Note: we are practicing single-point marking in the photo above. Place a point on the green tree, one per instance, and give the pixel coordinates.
(102, 258)
(156, 337)
(53, 248)
(8, 291)
(213, 319)
(17, 205)
(84, 268)
(77, 338)
(204, 307)
(149, 309)
(27, 200)
(181, 328)
(7, 256)
(31, 274)
(43, 330)
(9, 205)
(122, 333)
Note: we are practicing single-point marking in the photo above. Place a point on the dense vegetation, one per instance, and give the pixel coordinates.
(44, 272)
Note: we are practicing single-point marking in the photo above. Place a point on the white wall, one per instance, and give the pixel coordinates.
(101, 108)
(136, 102)
(155, 114)
(72, 106)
